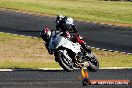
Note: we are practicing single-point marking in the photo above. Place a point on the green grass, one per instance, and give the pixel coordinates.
(24, 52)
(27, 65)
(112, 59)
(125, 61)
(88, 10)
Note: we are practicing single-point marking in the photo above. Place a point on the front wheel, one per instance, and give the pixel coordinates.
(64, 60)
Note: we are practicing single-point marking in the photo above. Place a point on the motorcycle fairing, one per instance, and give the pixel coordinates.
(56, 41)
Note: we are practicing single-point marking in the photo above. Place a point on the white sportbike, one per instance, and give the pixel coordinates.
(68, 54)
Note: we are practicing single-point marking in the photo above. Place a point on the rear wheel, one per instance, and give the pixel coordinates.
(64, 60)
(93, 64)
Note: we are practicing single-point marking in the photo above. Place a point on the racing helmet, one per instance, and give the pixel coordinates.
(59, 18)
(69, 21)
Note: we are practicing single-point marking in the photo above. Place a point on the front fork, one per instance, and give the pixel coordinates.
(49, 51)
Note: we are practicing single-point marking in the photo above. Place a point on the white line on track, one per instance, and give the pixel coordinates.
(5, 70)
(44, 69)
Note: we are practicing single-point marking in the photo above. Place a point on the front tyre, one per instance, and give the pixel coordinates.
(64, 61)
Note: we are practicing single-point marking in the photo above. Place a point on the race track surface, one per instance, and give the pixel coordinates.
(60, 79)
(97, 35)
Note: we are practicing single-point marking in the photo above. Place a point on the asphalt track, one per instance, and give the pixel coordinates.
(97, 35)
(60, 79)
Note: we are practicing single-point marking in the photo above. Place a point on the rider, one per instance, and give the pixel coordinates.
(65, 24)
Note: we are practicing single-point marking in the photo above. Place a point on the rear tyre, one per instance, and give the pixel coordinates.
(64, 62)
(93, 64)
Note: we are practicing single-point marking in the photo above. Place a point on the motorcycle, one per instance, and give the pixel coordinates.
(68, 54)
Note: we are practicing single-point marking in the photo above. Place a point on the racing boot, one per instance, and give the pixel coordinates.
(88, 51)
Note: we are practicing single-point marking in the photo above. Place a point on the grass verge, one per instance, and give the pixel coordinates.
(24, 52)
(118, 13)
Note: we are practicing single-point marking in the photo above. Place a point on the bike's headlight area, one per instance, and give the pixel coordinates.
(45, 37)
(49, 33)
